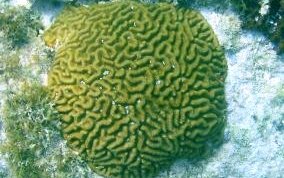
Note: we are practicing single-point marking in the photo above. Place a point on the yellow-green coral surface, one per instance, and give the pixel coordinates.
(137, 85)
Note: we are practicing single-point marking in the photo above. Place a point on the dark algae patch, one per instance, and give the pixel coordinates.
(271, 23)
(137, 85)
(19, 25)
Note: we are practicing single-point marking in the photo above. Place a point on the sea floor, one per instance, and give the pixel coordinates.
(254, 135)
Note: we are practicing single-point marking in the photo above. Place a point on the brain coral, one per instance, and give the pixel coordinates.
(137, 85)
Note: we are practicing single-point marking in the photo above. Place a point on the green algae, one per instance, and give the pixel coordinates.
(24, 116)
(33, 146)
(10, 67)
(19, 25)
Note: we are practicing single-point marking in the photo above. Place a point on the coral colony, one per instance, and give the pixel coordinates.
(136, 85)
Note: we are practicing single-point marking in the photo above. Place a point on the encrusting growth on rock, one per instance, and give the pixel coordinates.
(137, 85)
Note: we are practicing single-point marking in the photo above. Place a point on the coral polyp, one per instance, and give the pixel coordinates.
(137, 85)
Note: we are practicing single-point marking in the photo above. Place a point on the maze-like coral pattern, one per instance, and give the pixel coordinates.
(137, 85)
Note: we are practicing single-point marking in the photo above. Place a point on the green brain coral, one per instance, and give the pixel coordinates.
(137, 85)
